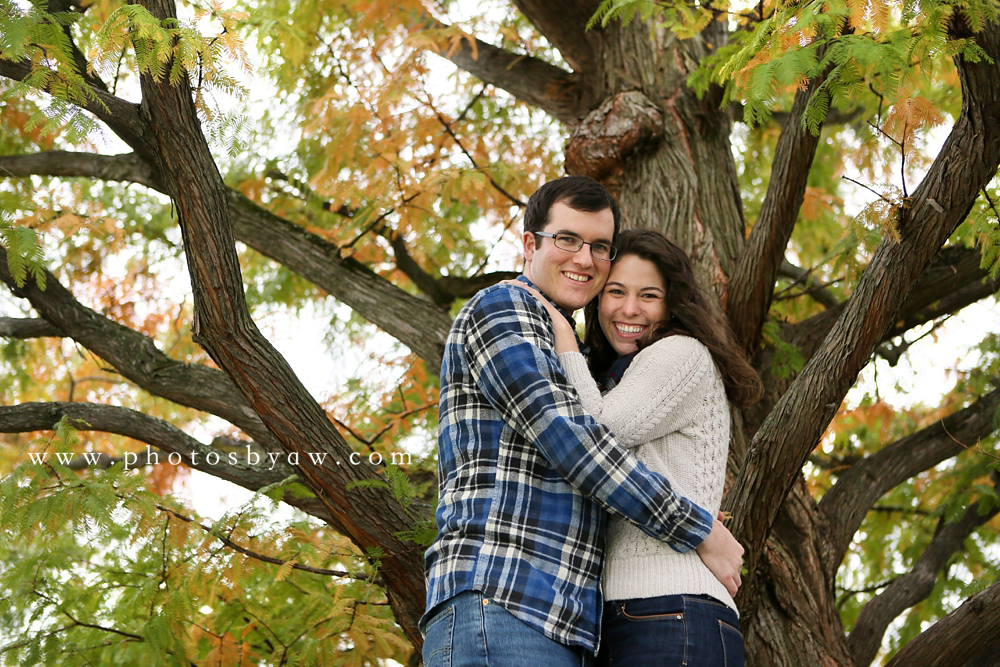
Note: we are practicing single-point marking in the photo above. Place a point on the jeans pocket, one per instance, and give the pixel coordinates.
(645, 632)
(652, 610)
(440, 638)
(732, 645)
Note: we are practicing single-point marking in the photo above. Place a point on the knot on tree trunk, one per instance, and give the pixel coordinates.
(623, 125)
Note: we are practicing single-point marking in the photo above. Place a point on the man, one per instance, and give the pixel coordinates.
(525, 475)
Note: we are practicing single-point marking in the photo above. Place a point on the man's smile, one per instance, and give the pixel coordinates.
(578, 277)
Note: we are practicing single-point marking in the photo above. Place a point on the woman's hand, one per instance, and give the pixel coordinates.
(723, 555)
(565, 336)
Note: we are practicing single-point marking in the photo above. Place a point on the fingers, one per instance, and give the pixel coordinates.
(527, 288)
(723, 555)
(532, 291)
(733, 581)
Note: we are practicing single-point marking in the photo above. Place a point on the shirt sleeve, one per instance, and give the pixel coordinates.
(509, 347)
(654, 396)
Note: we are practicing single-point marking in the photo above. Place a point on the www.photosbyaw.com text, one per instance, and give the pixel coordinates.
(247, 456)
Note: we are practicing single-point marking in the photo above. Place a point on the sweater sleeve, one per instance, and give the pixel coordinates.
(656, 393)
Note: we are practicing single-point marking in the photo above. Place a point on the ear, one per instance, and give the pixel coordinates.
(528, 241)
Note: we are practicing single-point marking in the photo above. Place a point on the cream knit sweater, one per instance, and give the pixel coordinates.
(670, 409)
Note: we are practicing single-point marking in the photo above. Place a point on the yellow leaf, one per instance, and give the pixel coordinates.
(284, 570)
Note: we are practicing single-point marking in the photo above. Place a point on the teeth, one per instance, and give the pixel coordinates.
(578, 277)
(629, 328)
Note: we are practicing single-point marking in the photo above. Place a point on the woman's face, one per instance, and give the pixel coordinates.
(633, 300)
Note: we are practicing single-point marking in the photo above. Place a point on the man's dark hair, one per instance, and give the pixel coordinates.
(580, 193)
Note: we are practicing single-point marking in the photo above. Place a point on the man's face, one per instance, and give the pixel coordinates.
(570, 279)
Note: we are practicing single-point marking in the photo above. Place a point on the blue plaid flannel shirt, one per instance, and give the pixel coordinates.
(525, 476)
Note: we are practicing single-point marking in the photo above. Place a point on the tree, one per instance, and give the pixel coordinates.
(375, 207)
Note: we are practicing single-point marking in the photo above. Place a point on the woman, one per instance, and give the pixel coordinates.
(668, 365)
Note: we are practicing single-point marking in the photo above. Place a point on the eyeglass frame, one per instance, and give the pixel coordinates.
(613, 251)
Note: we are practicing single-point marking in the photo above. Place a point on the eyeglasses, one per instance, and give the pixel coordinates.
(572, 243)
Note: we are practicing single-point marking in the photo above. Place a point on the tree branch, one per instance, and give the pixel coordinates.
(463, 287)
(137, 358)
(938, 292)
(953, 281)
(892, 352)
(458, 142)
(370, 516)
(779, 118)
(958, 638)
(79, 60)
(424, 281)
(844, 506)
(967, 161)
(751, 285)
(28, 327)
(413, 321)
(27, 417)
(127, 167)
(121, 116)
(813, 287)
(253, 554)
(442, 290)
(914, 586)
(559, 93)
(564, 24)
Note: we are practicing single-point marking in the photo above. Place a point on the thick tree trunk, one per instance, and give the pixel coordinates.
(662, 151)
(794, 622)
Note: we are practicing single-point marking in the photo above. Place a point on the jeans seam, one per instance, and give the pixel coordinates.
(684, 627)
(448, 647)
(707, 599)
(723, 626)
(483, 601)
(722, 640)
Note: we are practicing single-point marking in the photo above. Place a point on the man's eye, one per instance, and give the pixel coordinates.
(568, 239)
(601, 247)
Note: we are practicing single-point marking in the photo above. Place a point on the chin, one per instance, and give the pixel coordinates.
(572, 302)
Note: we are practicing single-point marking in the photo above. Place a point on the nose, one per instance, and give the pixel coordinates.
(583, 256)
(631, 306)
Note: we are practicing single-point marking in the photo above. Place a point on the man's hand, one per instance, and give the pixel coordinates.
(723, 555)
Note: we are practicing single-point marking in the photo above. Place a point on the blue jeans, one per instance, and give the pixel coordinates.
(468, 630)
(670, 631)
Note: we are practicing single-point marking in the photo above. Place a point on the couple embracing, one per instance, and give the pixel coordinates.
(578, 495)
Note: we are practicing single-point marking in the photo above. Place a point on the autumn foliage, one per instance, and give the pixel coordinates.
(180, 184)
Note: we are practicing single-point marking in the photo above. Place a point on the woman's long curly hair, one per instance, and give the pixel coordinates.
(689, 313)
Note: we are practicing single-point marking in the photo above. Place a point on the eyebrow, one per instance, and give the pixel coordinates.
(569, 233)
(641, 289)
